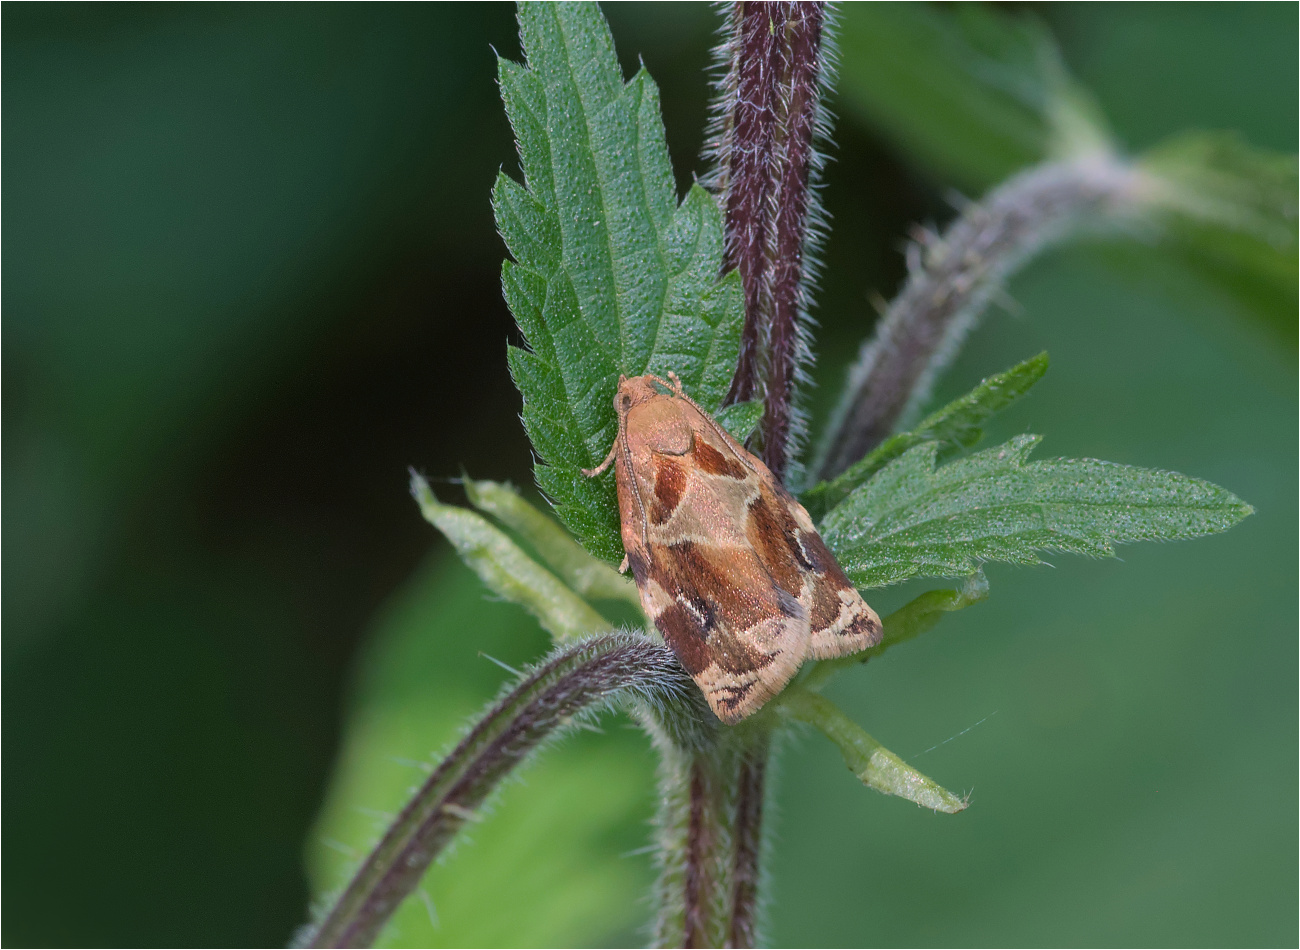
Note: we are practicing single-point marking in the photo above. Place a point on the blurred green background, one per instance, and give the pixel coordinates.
(250, 275)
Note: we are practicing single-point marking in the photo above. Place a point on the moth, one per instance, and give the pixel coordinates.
(728, 565)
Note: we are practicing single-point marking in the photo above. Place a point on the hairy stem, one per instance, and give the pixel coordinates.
(710, 836)
(751, 786)
(706, 832)
(952, 278)
(766, 120)
(572, 681)
(767, 117)
(694, 841)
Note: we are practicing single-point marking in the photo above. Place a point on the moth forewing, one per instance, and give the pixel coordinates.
(728, 565)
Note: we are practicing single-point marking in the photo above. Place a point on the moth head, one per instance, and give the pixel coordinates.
(632, 392)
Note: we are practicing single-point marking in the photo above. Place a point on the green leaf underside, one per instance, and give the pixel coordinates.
(956, 426)
(873, 764)
(610, 275)
(913, 520)
(587, 576)
(506, 570)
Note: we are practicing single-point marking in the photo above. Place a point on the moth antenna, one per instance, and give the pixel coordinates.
(664, 382)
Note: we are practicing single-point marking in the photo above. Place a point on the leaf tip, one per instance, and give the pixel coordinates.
(954, 804)
(419, 487)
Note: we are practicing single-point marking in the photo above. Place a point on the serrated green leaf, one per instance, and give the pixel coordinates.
(873, 764)
(506, 570)
(975, 94)
(741, 419)
(611, 276)
(956, 426)
(587, 576)
(913, 520)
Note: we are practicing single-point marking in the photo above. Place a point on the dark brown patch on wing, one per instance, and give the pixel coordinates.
(685, 637)
(814, 554)
(670, 486)
(640, 568)
(696, 574)
(788, 603)
(735, 656)
(864, 625)
(772, 534)
(713, 462)
(730, 697)
(706, 598)
(826, 606)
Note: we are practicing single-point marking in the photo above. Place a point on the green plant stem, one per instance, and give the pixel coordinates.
(578, 679)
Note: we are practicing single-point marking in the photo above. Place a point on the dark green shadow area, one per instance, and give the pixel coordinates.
(251, 275)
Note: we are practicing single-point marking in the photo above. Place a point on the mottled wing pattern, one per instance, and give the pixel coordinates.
(738, 634)
(781, 530)
(729, 566)
(841, 621)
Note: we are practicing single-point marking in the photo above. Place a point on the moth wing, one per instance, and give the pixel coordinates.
(783, 534)
(739, 636)
(740, 632)
(841, 621)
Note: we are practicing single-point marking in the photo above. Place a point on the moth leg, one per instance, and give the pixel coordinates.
(593, 472)
(677, 383)
(622, 565)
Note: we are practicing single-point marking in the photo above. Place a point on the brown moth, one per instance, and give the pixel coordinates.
(728, 564)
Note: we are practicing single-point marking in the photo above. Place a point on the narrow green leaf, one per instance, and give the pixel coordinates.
(506, 569)
(741, 419)
(956, 426)
(906, 623)
(611, 276)
(589, 577)
(873, 764)
(913, 520)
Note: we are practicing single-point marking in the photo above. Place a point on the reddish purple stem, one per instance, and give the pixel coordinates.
(765, 153)
(747, 844)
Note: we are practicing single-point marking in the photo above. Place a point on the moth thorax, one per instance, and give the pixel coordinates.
(661, 425)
